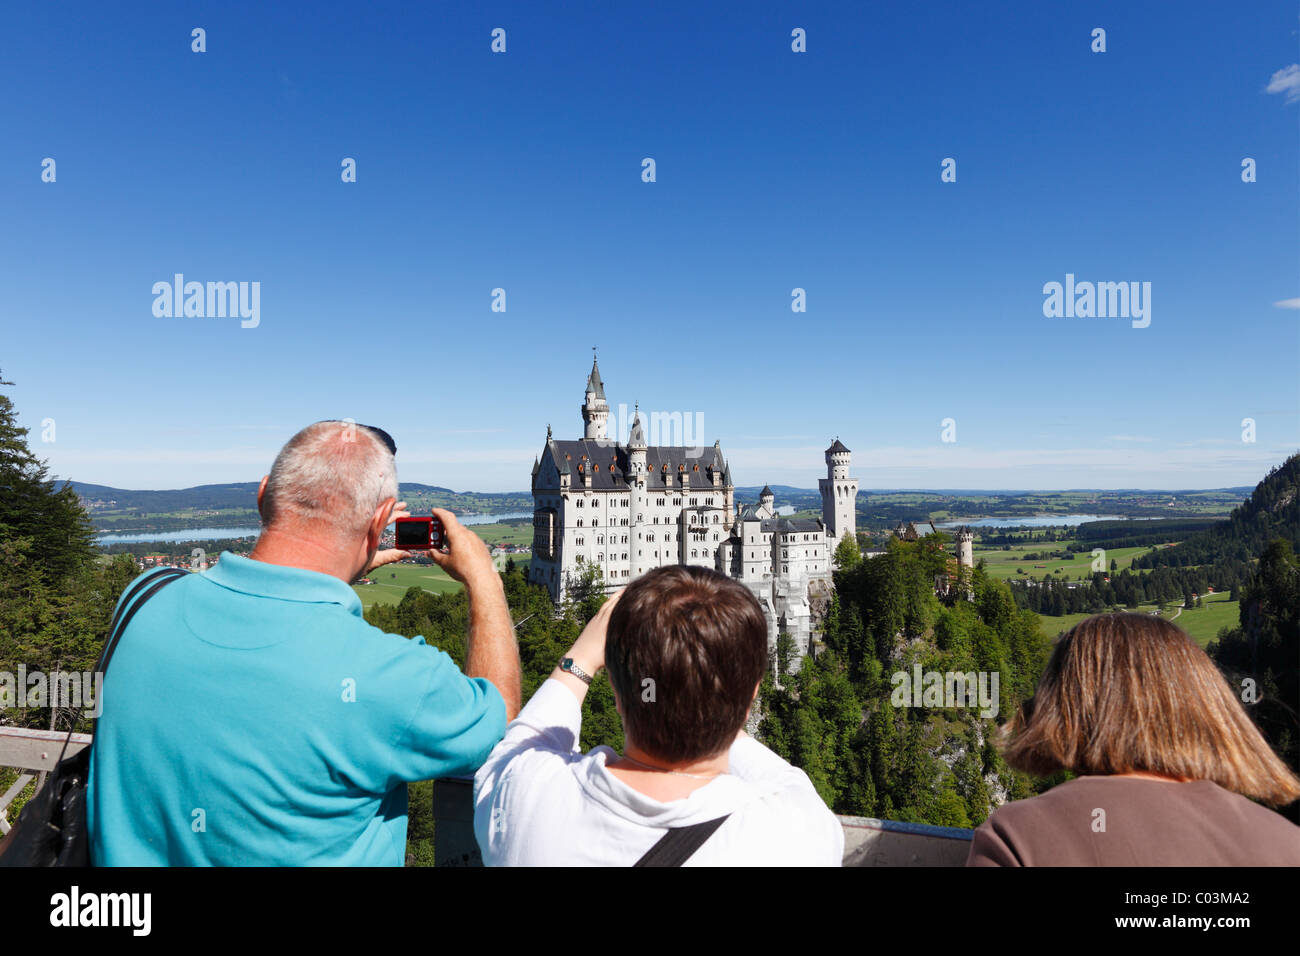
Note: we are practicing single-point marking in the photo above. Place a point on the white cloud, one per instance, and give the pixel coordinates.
(1287, 304)
(1286, 80)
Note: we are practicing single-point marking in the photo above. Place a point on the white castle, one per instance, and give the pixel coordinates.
(627, 508)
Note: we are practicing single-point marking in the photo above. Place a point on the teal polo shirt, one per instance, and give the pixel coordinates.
(252, 717)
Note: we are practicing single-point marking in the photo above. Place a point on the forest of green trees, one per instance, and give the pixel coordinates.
(835, 717)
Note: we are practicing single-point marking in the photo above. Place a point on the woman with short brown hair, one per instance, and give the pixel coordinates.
(1166, 757)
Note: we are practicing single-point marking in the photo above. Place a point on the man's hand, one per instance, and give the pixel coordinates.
(391, 554)
(467, 558)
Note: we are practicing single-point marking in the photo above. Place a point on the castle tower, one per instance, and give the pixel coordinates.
(595, 410)
(839, 494)
(636, 467)
(767, 500)
(965, 548)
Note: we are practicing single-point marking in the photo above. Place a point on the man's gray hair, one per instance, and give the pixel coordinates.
(335, 473)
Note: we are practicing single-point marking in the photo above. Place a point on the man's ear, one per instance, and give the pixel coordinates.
(379, 522)
(261, 491)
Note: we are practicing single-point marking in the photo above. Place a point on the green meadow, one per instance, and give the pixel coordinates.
(1202, 624)
(1002, 565)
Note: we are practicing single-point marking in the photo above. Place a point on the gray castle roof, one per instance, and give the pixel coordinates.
(608, 463)
(782, 525)
(766, 493)
(798, 524)
(837, 446)
(637, 437)
(594, 384)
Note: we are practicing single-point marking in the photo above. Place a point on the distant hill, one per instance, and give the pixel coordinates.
(241, 495)
(1271, 511)
(123, 509)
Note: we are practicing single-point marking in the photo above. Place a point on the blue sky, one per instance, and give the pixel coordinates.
(775, 170)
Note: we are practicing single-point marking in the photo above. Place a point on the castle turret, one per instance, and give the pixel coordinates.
(965, 547)
(636, 447)
(595, 410)
(839, 494)
(767, 500)
(728, 492)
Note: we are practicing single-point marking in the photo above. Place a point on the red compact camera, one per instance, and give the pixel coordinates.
(419, 534)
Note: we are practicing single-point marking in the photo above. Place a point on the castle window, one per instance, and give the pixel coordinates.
(677, 501)
(579, 520)
(594, 522)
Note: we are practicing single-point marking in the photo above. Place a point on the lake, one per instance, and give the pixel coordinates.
(1036, 521)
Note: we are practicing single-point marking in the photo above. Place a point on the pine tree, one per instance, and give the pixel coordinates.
(62, 538)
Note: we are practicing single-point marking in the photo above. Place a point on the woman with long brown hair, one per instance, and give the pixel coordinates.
(1165, 754)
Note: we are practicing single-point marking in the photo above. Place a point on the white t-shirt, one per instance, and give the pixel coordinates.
(539, 801)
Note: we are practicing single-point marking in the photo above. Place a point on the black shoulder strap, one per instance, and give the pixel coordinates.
(678, 845)
(147, 587)
(154, 582)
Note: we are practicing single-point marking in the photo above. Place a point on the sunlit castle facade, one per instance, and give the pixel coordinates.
(626, 508)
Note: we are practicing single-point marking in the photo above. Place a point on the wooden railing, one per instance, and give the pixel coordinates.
(32, 752)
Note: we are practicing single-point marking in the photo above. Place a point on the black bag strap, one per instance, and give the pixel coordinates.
(155, 582)
(678, 845)
(127, 607)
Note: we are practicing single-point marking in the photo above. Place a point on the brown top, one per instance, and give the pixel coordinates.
(1143, 822)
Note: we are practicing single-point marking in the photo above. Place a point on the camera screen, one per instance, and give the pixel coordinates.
(412, 534)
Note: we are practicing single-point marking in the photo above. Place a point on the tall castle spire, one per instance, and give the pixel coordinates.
(595, 410)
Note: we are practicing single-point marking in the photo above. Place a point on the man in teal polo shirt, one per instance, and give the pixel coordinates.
(252, 717)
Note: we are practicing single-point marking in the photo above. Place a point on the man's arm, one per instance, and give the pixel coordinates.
(493, 652)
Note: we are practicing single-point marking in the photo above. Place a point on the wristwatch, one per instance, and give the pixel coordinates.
(570, 667)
